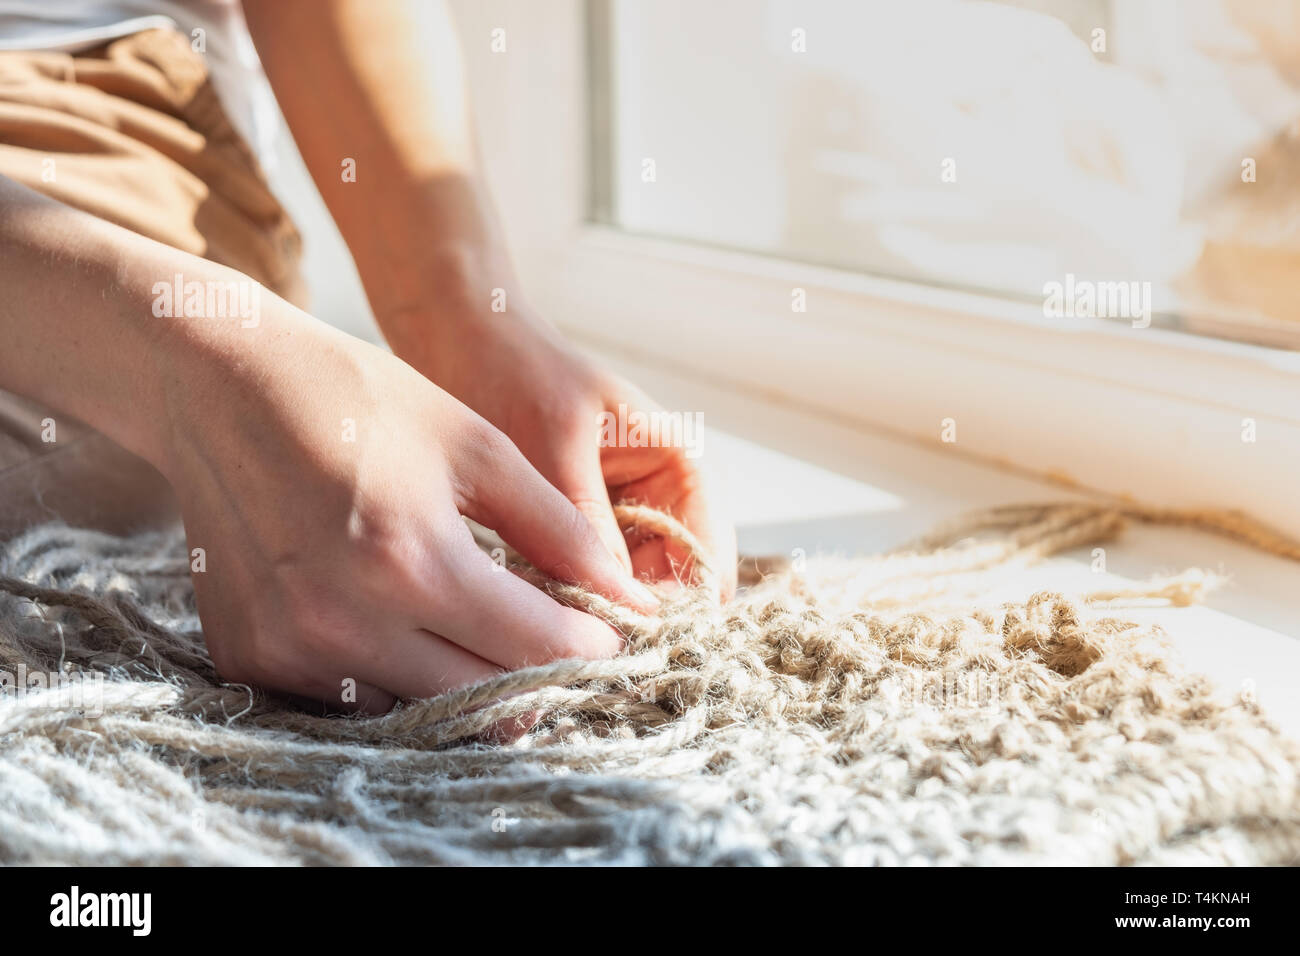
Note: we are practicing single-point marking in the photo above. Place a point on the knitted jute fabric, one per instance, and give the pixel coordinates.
(875, 710)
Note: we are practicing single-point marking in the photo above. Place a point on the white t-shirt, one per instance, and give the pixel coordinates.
(236, 72)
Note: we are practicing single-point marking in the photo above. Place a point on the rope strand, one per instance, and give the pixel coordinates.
(877, 710)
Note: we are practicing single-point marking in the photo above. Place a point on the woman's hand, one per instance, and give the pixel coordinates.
(518, 373)
(321, 479)
(324, 481)
(430, 252)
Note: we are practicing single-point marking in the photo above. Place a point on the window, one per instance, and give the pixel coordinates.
(1109, 158)
(789, 265)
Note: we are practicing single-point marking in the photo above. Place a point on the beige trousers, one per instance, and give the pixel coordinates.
(131, 132)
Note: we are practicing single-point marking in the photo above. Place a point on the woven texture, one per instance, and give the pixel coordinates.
(874, 710)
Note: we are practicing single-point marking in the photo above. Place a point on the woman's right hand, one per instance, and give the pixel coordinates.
(322, 477)
(324, 480)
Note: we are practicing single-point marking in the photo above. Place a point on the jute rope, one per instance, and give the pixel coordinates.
(877, 710)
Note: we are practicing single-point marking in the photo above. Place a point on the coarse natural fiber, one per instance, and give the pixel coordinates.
(876, 710)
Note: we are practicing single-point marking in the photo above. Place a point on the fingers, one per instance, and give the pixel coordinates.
(578, 476)
(506, 621)
(601, 516)
(500, 489)
(667, 480)
(419, 663)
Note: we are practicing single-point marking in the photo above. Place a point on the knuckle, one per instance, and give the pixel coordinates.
(396, 562)
(490, 445)
(580, 524)
(486, 460)
(590, 507)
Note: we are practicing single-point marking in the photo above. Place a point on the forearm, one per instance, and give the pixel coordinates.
(81, 327)
(381, 82)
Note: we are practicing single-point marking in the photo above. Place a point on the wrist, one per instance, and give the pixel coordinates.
(427, 242)
(215, 341)
(452, 278)
(467, 297)
(80, 334)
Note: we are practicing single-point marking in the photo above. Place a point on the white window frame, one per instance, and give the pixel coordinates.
(1149, 413)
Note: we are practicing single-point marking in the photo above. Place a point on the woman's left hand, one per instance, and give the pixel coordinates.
(517, 371)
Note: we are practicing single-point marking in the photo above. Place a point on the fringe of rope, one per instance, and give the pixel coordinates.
(693, 709)
(1036, 531)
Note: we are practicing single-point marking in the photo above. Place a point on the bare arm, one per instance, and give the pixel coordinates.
(76, 317)
(324, 478)
(381, 82)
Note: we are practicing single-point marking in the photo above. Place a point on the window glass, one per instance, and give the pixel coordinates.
(1106, 158)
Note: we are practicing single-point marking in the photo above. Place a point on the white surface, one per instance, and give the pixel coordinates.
(840, 488)
(1141, 411)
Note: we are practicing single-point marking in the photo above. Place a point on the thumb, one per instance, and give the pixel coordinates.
(583, 483)
(504, 492)
(571, 462)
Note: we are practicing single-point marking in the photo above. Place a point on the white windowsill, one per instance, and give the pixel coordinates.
(835, 487)
(1149, 413)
